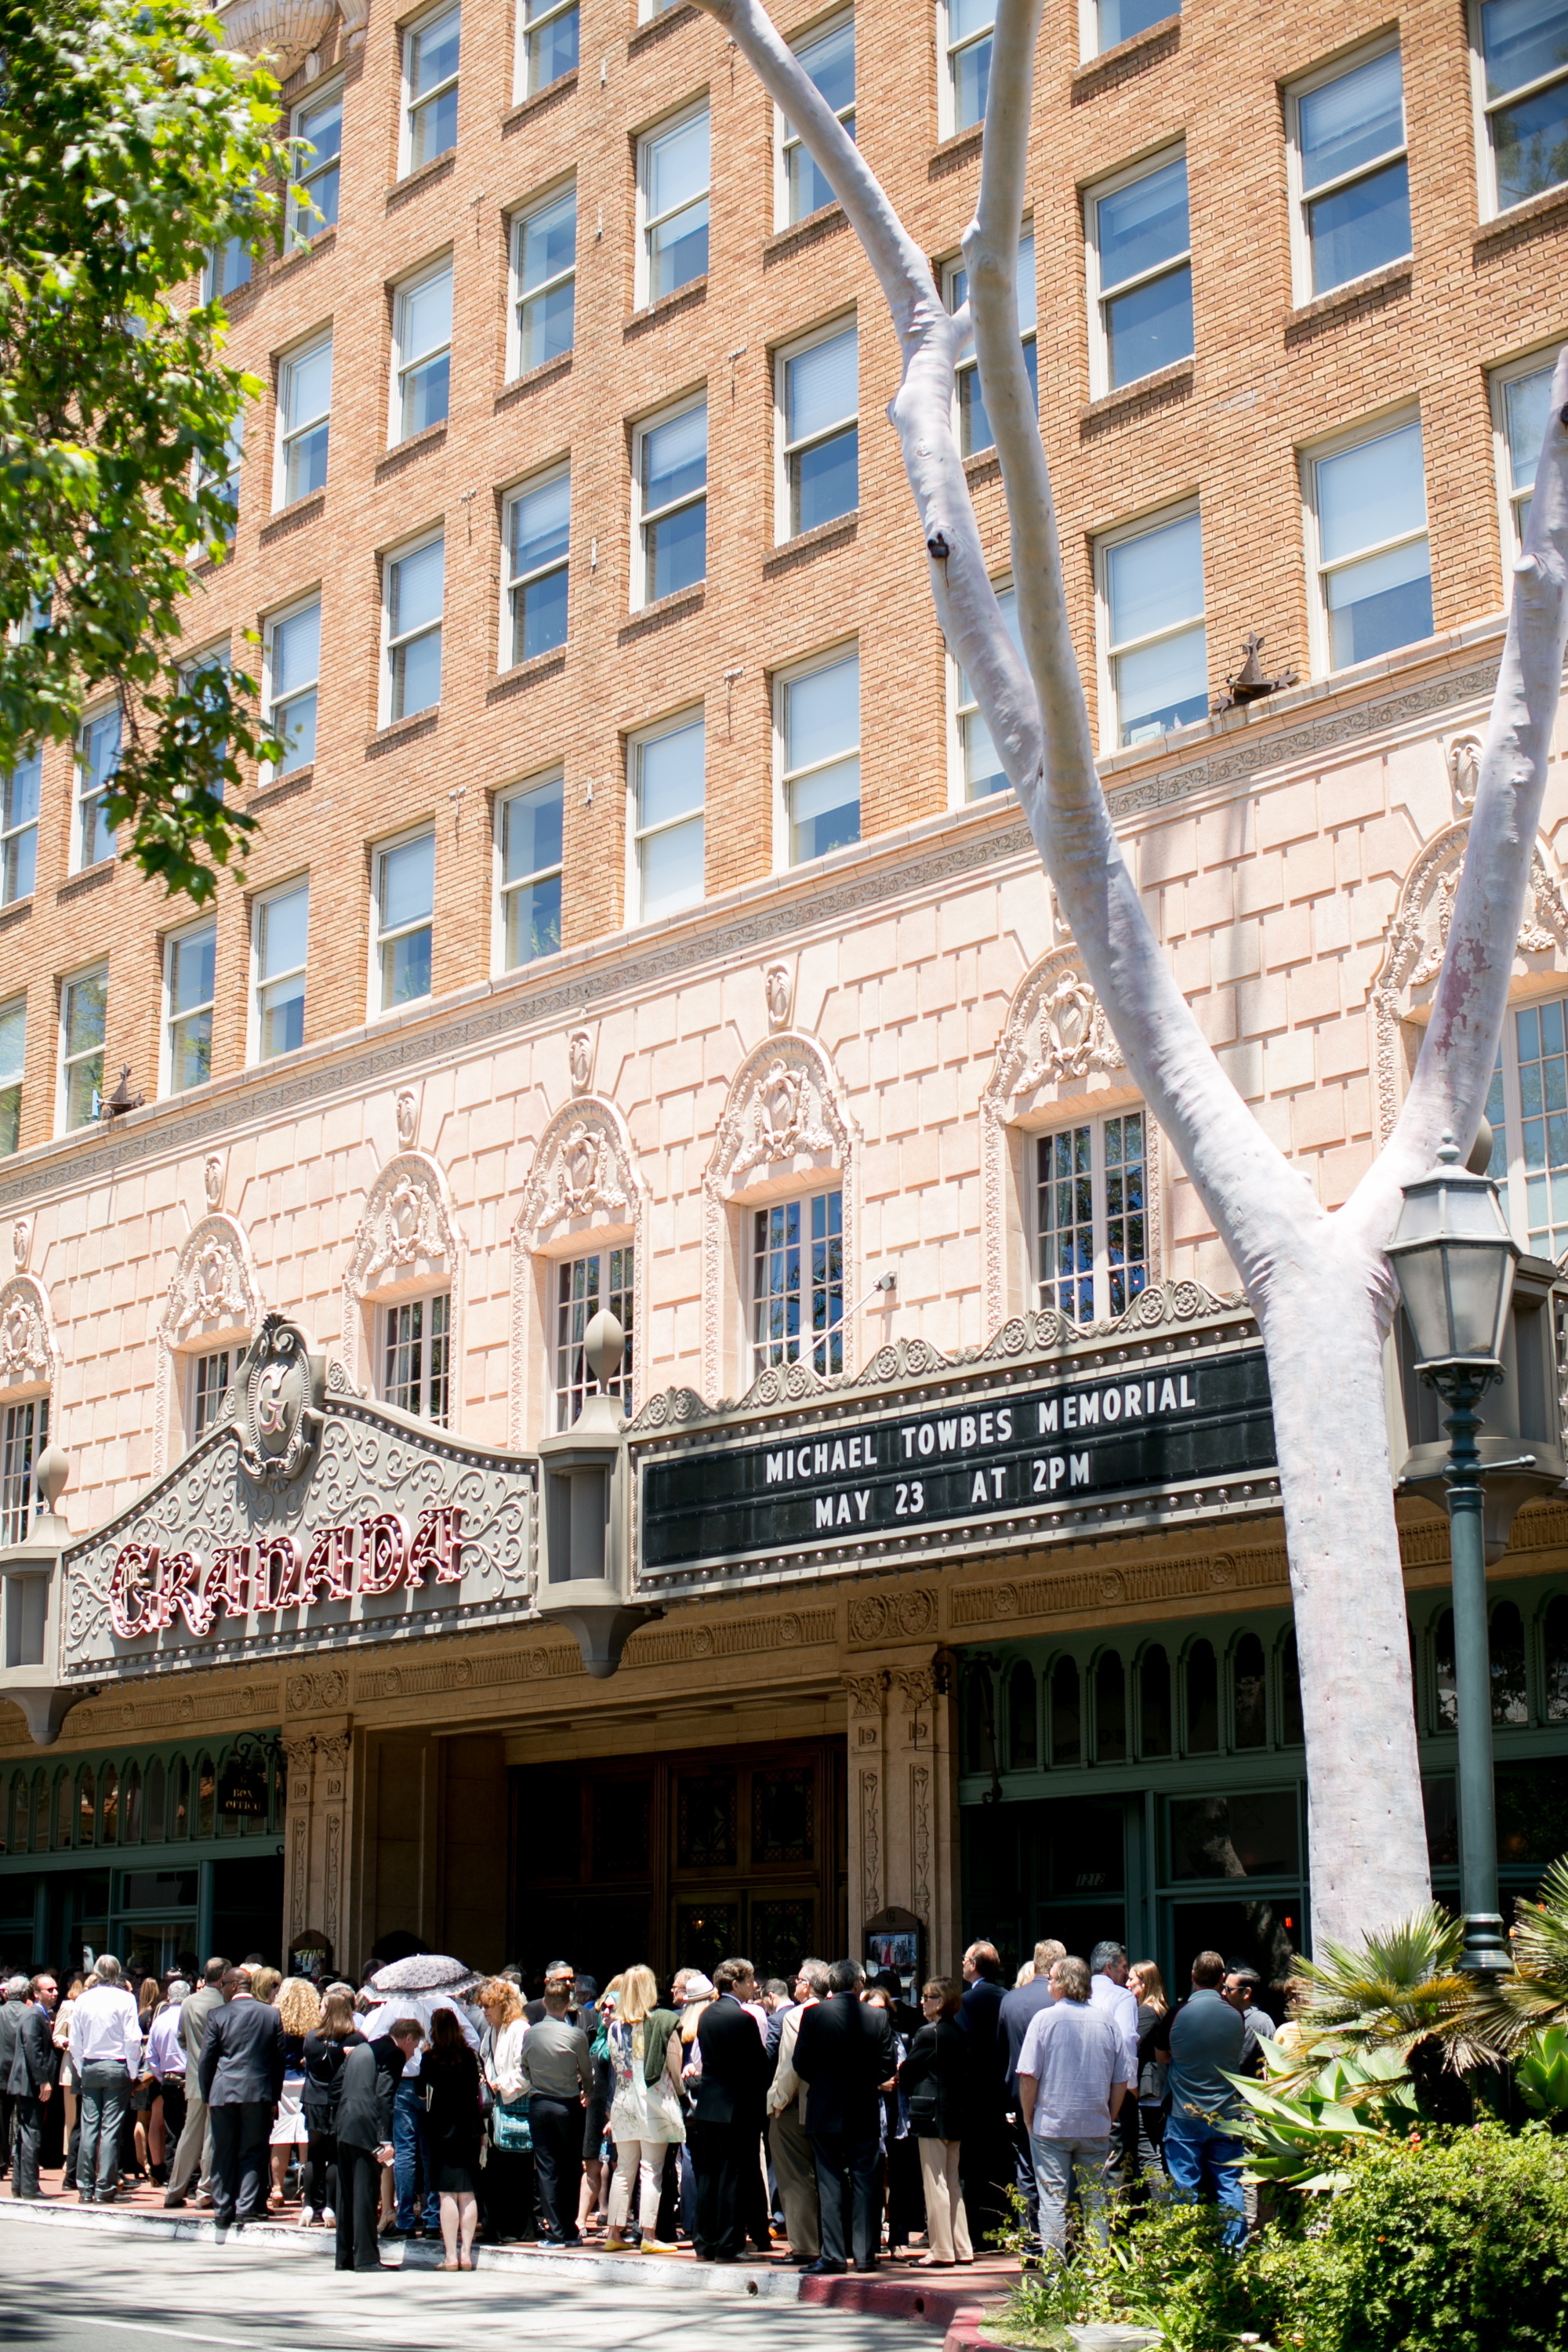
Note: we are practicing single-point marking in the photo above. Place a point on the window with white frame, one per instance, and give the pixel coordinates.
(528, 826)
(974, 432)
(979, 764)
(1091, 1222)
(1524, 76)
(415, 592)
(667, 789)
(1106, 24)
(207, 1381)
(304, 422)
(226, 269)
(84, 1015)
(544, 281)
(819, 433)
(223, 481)
(417, 1356)
(1521, 408)
(97, 758)
(547, 44)
(190, 963)
(422, 351)
(673, 171)
(966, 27)
(317, 130)
(585, 1286)
(671, 476)
(404, 910)
(1350, 180)
(818, 723)
(1528, 1109)
(430, 87)
(291, 670)
(205, 682)
(797, 1283)
(1154, 646)
(19, 792)
(27, 1435)
(13, 1063)
(281, 935)
(537, 527)
(1138, 256)
(1367, 508)
(827, 58)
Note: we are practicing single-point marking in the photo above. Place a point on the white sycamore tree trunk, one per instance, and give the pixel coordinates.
(1320, 1284)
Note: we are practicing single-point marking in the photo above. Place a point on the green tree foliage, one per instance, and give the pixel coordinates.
(131, 142)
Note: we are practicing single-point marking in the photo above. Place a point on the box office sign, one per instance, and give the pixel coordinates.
(1018, 1463)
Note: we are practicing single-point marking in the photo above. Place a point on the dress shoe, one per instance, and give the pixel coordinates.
(823, 2268)
(175, 2197)
(866, 2266)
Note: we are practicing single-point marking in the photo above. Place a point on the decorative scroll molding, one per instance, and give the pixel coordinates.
(870, 1844)
(406, 1241)
(461, 1674)
(585, 1191)
(317, 1693)
(213, 1295)
(920, 1840)
(784, 1130)
(749, 1636)
(29, 1355)
(865, 1694)
(893, 1616)
(1132, 1584)
(917, 1685)
(1418, 934)
(245, 1702)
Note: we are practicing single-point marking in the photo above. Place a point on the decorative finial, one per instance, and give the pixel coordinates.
(1447, 1150)
(1248, 684)
(604, 1343)
(123, 1100)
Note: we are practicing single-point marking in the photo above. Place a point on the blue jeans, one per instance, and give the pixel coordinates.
(1195, 2152)
(1059, 2163)
(410, 2159)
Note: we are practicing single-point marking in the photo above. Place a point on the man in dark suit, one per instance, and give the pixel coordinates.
(988, 2168)
(240, 2075)
(844, 2054)
(192, 2158)
(12, 2011)
(1013, 2019)
(30, 2081)
(727, 2113)
(369, 2082)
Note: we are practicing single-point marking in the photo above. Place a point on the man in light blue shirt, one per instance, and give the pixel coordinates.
(1069, 2088)
(1205, 2043)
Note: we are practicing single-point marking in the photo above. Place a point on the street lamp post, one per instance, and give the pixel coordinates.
(1454, 1259)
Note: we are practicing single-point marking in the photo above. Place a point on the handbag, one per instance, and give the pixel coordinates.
(510, 2130)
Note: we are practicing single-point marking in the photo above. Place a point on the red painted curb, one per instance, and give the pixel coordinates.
(966, 2332)
(953, 2308)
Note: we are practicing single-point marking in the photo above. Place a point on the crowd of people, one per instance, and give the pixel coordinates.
(832, 2113)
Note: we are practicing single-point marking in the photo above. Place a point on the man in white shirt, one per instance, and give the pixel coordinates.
(1109, 1992)
(1070, 2086)
(106, 2054)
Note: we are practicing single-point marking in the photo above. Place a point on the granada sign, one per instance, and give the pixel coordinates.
(151, 1586)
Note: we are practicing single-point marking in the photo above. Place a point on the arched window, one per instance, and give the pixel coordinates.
(1557, 1660)
(1250, 1694)
(1155, 1701)
(1292, 1726)
(1443, 1662)
(1066, 1739)
(1510, 1697)
(1110, 1710)
(978, 1752)
(85, 1806)
(41, 1810)
(111, 1805)
(206, 1797)
(181, 1779)
(17, 1813)
(1023, 1719)
(62, 1826)
(1203, 1700)
(155, 1788)
(280, 1790)
(132, 1805)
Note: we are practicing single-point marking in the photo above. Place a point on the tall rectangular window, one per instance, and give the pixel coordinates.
(1529, 1112)
(19, 793)
(1140, 275)
(1351, 180)
(1155, 648)
(430, 87)
(416, 591)
(583, 1287)
(673, 172)
(304, 422)
(223, 481)
(974, 432)
(97, 758)
(405, 920)
(1368, 503)
(190, 961)
(227, 269)
(797, 1283)
(282, 933)
(1093, 1246)
(672, 475)
(291, 678)
(967, 27)
(422, 353)
(530, 824)
(318, 133)
(1521, 407)
(1106, 24)
(547, 34)
(416, 1356)
(27, 1435)
(1525, 63)
(13, 1062)
(209, 1385)
(820, 722)
(666, 782)
(980, 764)
(828, 60)
(84, 1014)
(204, 683)
(819, 399)
(544, 281)
(538, 543)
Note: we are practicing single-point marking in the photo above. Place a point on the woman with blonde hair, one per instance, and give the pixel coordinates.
(508, 2180)
(645, 2050)
(1147, 1986)
(298, 2004)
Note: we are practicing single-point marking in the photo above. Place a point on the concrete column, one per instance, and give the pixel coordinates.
(867, 1697)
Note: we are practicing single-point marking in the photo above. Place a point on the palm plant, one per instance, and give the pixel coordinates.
(1300, 2124)
(1536, 1994)
(1401, 1993)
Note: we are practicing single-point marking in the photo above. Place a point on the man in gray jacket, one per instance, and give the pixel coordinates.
(195, 2140)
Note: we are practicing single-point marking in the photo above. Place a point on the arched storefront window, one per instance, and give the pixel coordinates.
(1067, 1713)
(181, 1793)
(41, 1810)
(242, 1791)
(1110, 1710)
(157, 1785)
(62, 1823)
(1203, 1700)
(111, 1805)
(1447, 1699)
(979, 1743)
(1510, 1698)
(1292, 1727)
(17, 1837)
(1250, 1694)
(132, 1804)
(85, 1807)
(1023, 1719)
(1557, 1660)
(206, 1797)
(1155, 1701)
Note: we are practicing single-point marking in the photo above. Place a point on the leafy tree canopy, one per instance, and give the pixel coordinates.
(131, 143)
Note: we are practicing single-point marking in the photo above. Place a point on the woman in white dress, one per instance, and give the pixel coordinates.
(299, 2007)
(644, 2047)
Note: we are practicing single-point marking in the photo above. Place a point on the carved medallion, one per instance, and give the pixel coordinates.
(280, 1423)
